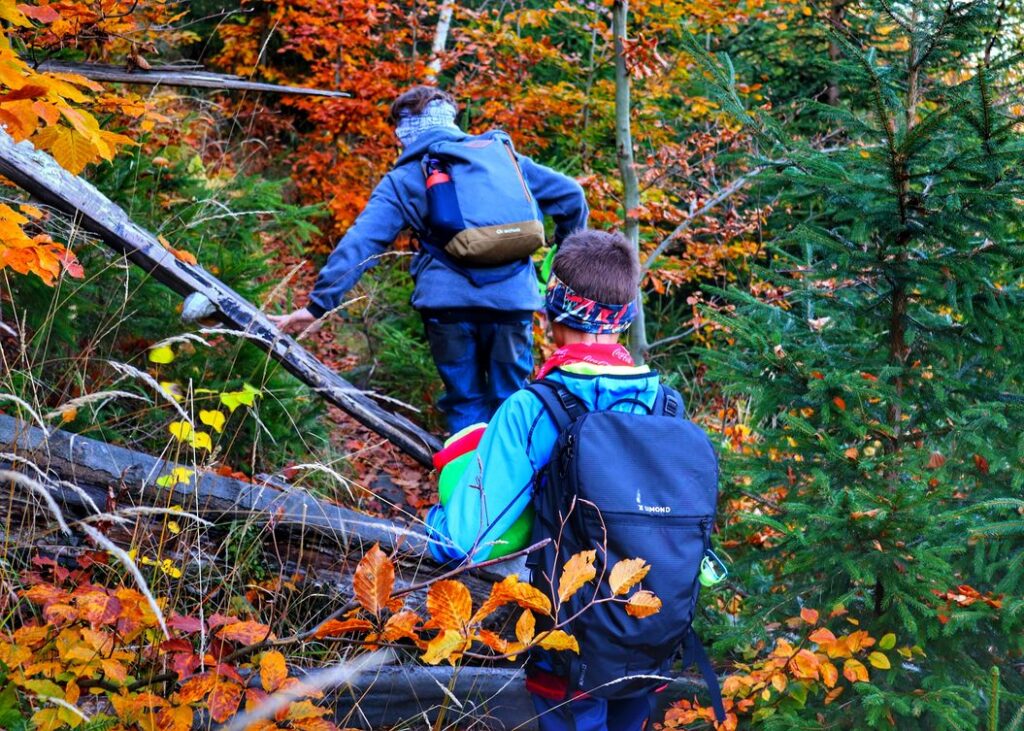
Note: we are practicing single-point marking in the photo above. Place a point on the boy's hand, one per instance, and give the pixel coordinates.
(296, 322)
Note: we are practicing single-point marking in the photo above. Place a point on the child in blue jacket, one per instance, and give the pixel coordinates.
(590, 301)
(481, 336)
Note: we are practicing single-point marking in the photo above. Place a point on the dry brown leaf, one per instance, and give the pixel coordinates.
(626, 573)
(374, 581)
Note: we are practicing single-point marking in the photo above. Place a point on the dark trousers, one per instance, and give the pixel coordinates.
(593, 714)
(481, 361)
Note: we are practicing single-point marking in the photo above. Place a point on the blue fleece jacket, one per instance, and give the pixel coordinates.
(518, 442)
(399, 202)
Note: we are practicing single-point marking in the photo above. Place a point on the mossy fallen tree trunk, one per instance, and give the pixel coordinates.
(41, 176)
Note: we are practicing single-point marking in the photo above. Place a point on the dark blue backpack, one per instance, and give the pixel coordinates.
(483, 221)
(643, 485)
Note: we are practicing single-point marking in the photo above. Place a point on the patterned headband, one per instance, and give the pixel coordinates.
(584, 314)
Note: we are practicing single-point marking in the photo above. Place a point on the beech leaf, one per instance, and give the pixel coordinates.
(578, 570)
(450, 605)
(374, 580)
(626, 573)
(643, 604)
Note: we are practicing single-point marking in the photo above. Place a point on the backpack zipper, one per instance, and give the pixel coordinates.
(515, 164)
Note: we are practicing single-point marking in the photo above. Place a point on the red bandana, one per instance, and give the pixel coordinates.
(599, 354)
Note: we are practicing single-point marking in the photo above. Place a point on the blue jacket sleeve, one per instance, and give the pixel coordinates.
(373, 231)
(558, 196)
(497, 487)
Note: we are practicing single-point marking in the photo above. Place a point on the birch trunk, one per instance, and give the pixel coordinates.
(627, 169)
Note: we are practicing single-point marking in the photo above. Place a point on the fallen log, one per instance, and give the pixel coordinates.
(41, 176)
(176, 76)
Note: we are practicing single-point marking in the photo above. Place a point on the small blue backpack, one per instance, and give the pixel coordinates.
(631, 485)
(483, 221)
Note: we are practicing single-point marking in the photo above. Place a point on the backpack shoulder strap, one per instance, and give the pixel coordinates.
(668, 402)
(563, 407)
(695, 654)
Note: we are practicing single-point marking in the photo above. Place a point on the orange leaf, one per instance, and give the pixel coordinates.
(224, 699)
(174, 719)
(840, 403)
(822, 637)
(526, 627)
(374, 580)
(643, 604)
(578, 570)
(809, 615)
(197, 688)
(302, 710)
(335, 627)
(450, 605)
(804, 665)
(247, 632)
(854, 671)
(273, 670)
(493, 641)
(626, 573)
(829, 674)
(400, 625)
(833, 694)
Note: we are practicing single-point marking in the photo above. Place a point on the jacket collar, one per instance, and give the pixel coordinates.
(419, 146)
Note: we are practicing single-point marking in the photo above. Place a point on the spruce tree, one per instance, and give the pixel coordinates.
(884, 385)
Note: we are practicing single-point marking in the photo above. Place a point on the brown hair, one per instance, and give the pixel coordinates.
(416, 99)
(599, 265)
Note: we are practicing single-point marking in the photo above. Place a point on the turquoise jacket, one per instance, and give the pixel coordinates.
(518, 442)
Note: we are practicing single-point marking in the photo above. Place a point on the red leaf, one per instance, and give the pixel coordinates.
(840, 403)
(42, 13)
(188, 625)
(981, 463)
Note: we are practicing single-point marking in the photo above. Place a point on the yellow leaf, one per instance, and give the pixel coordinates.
(10, 13)
(879, 660)
(374, 580)
(173, 527)
(526, 627)
(201, 440)
(180, 430)
(173, 390)
(214, 419)
(68, 147)
(578, 570)
(234, 399)
(779, 682)
(626, 573)
(446, 646)
(450, 605)
(643, 604)
(161, 354)
(887, 642)
(558, 640)
(177, 476)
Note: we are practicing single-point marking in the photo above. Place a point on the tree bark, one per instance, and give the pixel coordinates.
(171, 76)
(627, 168)
(42, 177)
